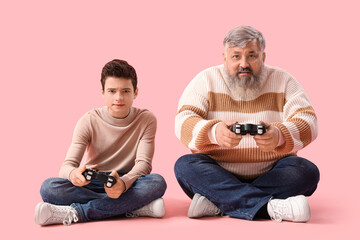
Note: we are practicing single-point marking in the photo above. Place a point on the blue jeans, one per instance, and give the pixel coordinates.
(91, 201)
(240, 198)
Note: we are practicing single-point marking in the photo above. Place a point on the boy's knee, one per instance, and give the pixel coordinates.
(46, 189)
(158, 182)
(50, 189)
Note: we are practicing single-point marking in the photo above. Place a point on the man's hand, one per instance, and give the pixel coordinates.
(77, 178)
(116, 190)
(269, 141)
(225, 137)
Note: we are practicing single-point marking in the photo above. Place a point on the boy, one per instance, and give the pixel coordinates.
(117, 138)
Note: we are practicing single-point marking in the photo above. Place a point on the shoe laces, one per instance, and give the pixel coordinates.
(139, 212)
(70, 216)
(64, 214)
(217, 211)
(281, 208)
(132, 215)
(211, 208)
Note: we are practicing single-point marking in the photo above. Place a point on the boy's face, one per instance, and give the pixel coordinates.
(119, 95)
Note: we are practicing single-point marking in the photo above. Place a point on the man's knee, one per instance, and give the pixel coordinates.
(304, 174)
(182, 163)
(189, 163)
(312, 176)
(306, 170)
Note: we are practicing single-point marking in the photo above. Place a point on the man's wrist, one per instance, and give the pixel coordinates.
(212, 135)
(281, 137)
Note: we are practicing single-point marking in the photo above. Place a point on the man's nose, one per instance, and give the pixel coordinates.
(243, 62)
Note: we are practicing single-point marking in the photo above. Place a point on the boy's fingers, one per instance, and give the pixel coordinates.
(114, 174)
(95, 166)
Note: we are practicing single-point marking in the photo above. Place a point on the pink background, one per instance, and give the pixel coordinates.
(51, 55)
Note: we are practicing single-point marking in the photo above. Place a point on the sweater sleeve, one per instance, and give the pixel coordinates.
(144, 153)
(191, 123)
(299, 126)
(81, 138)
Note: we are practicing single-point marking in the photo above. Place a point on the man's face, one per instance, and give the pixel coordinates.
(119, 95)
(244, 63)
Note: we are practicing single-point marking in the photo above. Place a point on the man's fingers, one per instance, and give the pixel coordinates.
(262, 138)
(230, 134)
(229, 123)
(231, 141)
(267, 125)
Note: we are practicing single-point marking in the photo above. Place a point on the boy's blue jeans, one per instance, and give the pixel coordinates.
(91, 201)
(291, 176)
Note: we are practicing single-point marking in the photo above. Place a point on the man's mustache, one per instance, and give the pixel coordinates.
(247, 69)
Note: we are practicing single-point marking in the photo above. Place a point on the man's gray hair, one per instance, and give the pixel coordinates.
(242, 35)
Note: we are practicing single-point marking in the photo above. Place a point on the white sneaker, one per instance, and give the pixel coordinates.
(47, 214)
(154, 209)
(200, 207)
(295, 209)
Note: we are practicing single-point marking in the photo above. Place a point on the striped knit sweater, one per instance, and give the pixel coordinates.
(282, 102)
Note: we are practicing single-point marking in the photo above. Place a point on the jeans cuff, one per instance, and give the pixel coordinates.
(79, 213)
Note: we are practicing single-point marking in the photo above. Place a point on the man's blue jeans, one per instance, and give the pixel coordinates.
(291, 176)
(91, 201)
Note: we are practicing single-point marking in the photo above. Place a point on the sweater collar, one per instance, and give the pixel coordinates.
(120, 122)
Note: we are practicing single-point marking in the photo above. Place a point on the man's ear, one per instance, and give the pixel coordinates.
(102, 93)
(263, 57)
(224, 56)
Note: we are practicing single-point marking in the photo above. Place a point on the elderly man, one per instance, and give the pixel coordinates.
(246, 176)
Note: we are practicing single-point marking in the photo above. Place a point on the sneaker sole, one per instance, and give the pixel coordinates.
(37, 213)
(193, 206)
(160, 206)
(302, 208)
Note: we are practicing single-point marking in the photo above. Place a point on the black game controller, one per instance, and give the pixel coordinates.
(252, 129)
(95, 174)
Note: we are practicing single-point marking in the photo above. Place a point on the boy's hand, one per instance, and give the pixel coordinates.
(116, 190)
(225, 137)
(77, 178)
(269, 140)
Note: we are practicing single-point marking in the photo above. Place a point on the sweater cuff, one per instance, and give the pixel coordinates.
(127, 181)
(281, 137)
(288, 144)
(211, 134)
(65, 172)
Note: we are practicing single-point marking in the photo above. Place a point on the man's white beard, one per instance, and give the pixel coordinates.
(245, 87)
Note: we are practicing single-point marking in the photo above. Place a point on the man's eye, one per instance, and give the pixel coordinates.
(236, 56)
(112, 91)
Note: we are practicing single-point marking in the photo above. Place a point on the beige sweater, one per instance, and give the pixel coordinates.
(282, 102)
(125, 145)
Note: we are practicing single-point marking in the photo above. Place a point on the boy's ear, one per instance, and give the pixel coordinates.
(136, 93)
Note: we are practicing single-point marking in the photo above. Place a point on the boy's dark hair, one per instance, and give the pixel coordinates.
(120, 69)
